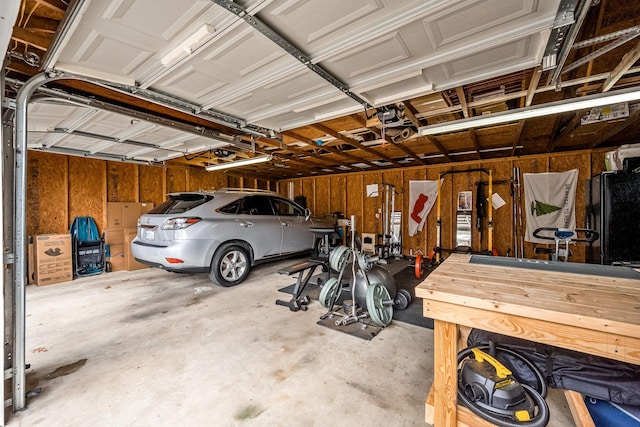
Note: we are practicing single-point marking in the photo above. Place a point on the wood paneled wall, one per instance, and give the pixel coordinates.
(346, 193)
(60, 188)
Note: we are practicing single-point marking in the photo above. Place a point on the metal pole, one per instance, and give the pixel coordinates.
(490, 214)
(20, 238)
(6, 243)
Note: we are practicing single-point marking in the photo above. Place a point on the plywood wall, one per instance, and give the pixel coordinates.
(348, 192)
(47, 193)
(60, 188)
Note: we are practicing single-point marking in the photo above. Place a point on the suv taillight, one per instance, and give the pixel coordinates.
(179, 223)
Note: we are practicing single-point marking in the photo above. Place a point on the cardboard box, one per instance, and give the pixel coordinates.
(116, 256)
(125, 214)
(114, 236)
(53, 259)
(130, 262)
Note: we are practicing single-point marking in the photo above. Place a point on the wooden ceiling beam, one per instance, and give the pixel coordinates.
(533, 85)
(21, 67)
(566, 131)
(355, 143)
(432, 139)
(38, 23)
(400, 146)
(632, 120)
(476, 144)
(375, 131)
(29, 37)
(410, 113)
(462, 98)
(57, 5)
(516, 138)
(314, 157)
(625, 64)
(330, 149)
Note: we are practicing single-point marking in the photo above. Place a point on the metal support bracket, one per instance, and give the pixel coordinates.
(9, 103)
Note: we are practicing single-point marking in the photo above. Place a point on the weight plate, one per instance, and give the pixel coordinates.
(418, 266)
(364, 262)
(339, 257)
(329, 293)
(380, 313)
(403, 299)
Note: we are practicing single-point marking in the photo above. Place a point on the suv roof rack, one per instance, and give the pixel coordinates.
(247, 190)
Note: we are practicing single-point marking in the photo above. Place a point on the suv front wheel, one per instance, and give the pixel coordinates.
(230, 265)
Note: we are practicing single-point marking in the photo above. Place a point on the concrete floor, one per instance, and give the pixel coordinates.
(149, 347)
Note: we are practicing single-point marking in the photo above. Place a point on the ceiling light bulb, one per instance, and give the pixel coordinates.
(245, 162)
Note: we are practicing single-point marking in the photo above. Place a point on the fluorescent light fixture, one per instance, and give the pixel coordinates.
(245, 162)
(187, 47)
(583, 103)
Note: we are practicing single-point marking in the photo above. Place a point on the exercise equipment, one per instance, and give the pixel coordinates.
(373, 289)
(490, 390)
(87, 247)
(306, 269)
(402, 300)
(518, 227)
(392, 237)
(438, 249)
(564, 236)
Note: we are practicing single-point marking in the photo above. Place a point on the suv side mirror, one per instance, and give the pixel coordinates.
(307, 214)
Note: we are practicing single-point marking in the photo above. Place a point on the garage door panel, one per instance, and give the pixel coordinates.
(472, 19)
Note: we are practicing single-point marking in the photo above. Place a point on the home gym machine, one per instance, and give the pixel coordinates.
(324, 238)
(391, 225)
(463, 223)
(563, 236)
(372, 288)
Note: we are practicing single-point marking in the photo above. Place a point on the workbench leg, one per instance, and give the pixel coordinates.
(578, 409)
(445, 373)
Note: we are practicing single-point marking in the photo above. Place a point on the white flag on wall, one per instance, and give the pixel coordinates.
(550, 200)
(422, 196)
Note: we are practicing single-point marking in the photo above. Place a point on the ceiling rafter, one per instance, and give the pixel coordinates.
(310, 142)
(476, 144)
(518, 136)
(432, 139)
(627, 62)
(31, 38)
(633, 119)
(399, 145)
(355, 143)
(410, 113)
(376, 132)
(533, 85)
(566, 131)
(57, 5)
(309, 155)
(462, 98)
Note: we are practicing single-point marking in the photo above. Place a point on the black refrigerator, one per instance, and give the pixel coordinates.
(615, 214)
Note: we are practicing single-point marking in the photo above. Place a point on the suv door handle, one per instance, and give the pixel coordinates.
(286, 224)
(246, 224)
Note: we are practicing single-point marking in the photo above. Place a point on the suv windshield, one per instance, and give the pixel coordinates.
(180, 203)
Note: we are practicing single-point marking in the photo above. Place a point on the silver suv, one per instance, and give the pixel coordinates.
(223, 232)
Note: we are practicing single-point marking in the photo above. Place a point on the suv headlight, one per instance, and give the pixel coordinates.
(179, 223)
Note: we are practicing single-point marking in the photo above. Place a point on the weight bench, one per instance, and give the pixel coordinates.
(306, 269)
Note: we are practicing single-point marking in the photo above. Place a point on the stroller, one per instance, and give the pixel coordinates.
(87, 247)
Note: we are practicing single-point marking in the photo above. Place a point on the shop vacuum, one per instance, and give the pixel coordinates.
(489, 389)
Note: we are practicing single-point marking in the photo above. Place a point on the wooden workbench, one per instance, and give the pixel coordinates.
(592, 313)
